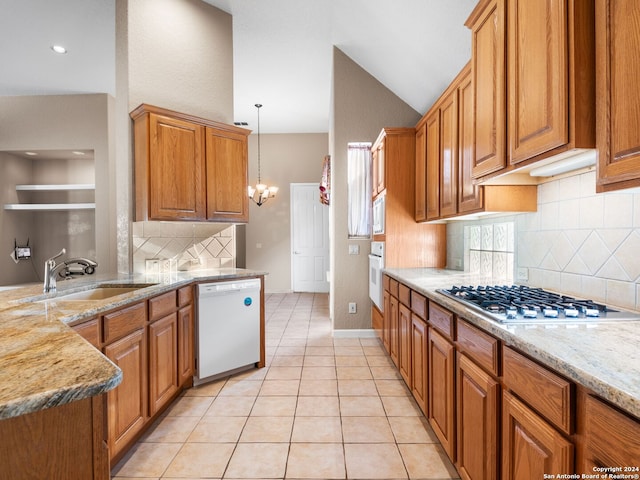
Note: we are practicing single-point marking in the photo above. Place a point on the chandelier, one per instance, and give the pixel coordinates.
(261, 192)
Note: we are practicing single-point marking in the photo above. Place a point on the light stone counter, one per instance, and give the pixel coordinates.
(44, 362)
(604, 357)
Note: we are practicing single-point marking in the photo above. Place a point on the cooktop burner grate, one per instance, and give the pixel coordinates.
(523, 304)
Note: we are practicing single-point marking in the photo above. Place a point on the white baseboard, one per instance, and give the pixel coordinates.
(354, 333)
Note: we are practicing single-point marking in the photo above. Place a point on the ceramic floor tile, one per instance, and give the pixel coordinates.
(321, 341)
(258, 460)
(217, 430)
(411, 430)
(373, 351)
(400, 406)
(370, 342)
(427, 461)
(147, 460)
(287, 361)
(241, 388)
(366, 430)
(324, 351)
(374, 461)
(267, 430)
(392, 388)
(318, 387)
(318, 406)
(319, 373)
(171, 430)
(189, 406)
(317, 430)
(379, 361)
(361, 407)
(207, 390)
(280, 387)
(299, 350)
(357, 388)
(322, 461)
(284, 373)
(351, 361)
(346, 342)
(388, 372)
(231, 407)
(201, 460)
(274, 406)
(255, 374)
(319, 361)
(293, 342)
(349, 350)
(353, 373)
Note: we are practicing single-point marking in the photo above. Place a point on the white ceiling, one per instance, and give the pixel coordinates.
(282, 51)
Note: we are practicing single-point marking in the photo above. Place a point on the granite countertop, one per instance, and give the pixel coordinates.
(44, 362)
(604, 357)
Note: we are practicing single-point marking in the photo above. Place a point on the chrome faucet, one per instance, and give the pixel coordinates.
(51, 269)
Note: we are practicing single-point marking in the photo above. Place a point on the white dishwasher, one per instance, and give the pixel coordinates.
(228, 332)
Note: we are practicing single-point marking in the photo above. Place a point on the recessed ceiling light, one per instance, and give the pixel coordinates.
(31, 154)
(58, 49)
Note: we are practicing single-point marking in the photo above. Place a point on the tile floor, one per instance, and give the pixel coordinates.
(323, 408)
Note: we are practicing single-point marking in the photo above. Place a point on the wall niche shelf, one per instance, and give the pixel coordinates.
(49, 206)
(56, 188)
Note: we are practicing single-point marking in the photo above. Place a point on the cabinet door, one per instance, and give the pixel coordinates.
(538, 65)
(380, 167)
(419, 361)
(470, 195)
(90, 331)
(421, 173)
(433, 165)
(477, 420)
(442, 391)
(176, 170)
(386, 321)
(618, 99)
(449, 155)
(404, 339)
(394, 329)
(163, 362)
(227, 177)
(530, 446)
(488, 71)
(127, 403)
(186, 336)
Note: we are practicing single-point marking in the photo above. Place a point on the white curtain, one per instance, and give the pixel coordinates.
(359, 189)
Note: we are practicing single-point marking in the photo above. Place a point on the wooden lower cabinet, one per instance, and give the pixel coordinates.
(404, 343)
(386, 321)
(393, 329)
(478, 397)
(163, 362)
(419, 387)
(127, 403)
(441, 396)
(186, 340)
(531, 447)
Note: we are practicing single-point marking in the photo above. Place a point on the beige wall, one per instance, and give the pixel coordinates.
(65, 122)
(285, 159)
(361, 107)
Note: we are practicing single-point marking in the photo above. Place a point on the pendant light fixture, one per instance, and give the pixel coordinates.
(261, 192)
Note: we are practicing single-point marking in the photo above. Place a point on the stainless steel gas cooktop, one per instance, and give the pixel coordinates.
(522, 304)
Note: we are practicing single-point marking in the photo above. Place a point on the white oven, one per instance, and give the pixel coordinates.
(378, 214)
(376, 264)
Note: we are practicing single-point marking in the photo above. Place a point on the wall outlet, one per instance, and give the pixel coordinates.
(354, 249)
(522, 273)
(352, 307)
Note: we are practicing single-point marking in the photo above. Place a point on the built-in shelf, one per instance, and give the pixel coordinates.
(50, 188)
(49, 206)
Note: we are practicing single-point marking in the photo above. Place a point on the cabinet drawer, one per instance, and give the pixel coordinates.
(185, 296)
(162, 305)
(419, 305)
(90, 331)
(386, 282)
(393, 287)
(404, 295)
(482, 347)
(551, 395)
(441, 319)
(123, 322)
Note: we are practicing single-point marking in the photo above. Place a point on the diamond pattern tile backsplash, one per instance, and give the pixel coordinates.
(189, 245)
(578, 242)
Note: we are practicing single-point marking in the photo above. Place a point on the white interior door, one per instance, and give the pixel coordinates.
(309, 239)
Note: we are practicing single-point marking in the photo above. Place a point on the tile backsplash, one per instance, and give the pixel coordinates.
(578, 242)
(189, 245)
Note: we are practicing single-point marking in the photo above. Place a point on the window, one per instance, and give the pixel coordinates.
(359, 190)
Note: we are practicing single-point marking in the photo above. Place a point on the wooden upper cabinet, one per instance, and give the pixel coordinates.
(538, 63)
(227, 176)
(488, 73)
(470, 195)
(378, 168)
(188, 168)
(421, 173)
(176, 169)
(449, 154)
(433, 165)
(618, 104)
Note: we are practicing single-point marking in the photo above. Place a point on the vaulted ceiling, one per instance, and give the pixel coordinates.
(282, 51)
